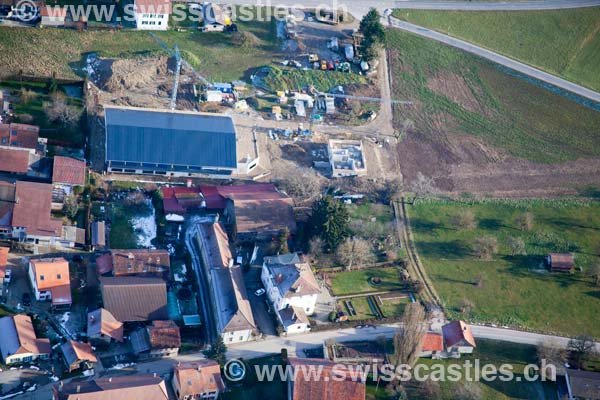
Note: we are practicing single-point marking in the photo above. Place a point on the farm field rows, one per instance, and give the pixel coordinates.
(516, 290)
(562, 42)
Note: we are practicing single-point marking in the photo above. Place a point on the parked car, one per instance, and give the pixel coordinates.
(26, 299)
(7, 276)
(259, 292)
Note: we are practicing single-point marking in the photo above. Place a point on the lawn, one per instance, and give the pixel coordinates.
(44, 52)
(563, 42)
(250, 388)
(459, 94)
(513, 290)
(355, 282)
(361, 306)
(394, 307)
(497, 353)
(123, 234)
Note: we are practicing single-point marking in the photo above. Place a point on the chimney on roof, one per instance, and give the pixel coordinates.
(217, 218)
(78, 388)
(154, 374)
(299, 288)
(130, 255)
(230, 263)
(110, 379)
(279, 278)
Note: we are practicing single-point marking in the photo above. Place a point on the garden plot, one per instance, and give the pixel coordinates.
(133, 222)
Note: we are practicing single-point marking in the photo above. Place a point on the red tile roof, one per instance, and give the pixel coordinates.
(198, 377)
(173, 203)
(307, 387)
(153, 6)
(14, 160)
(164, 335)
(258, 207)
(53, 274)
(432, 342)
(32, 209)
(104, 264)
(562, 261)
(19, 135)
(141, 262)
(3, 261)
(458, 333)
(68, 170)
(102, 322)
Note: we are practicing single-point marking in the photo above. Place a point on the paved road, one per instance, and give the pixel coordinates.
(497, 58)
(360, 7)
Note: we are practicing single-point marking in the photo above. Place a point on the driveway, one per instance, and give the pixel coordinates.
(264, 321)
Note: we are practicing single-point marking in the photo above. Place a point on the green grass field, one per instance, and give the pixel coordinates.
(513, 290)
(459, 94)
(354, 282)
(44, 52)
(563, 42)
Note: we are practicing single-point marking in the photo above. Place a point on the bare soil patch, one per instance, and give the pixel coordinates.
(466, 164)
(456, 89)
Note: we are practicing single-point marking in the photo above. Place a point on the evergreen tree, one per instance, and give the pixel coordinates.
(373, 32)
(330, 221)
(217, 351)
(284, 234)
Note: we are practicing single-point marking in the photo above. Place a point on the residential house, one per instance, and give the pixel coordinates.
(103, 328)
(582, 385)
(432, 345)
(98, 232)
(51, 281)
(141, 262)
(161, 339)
(134, 299)
(3, 262)
(152, 14)
(77, 355)
(229, 300)
(22, 151)
(19, 343)
(146, 387)
(67, 173)
(32, 222)
(346, 158)
(329, 386)
(191, 144)
(292, 288)
(562, 262)
(255, 211)
(198, 380)
(53, 15)
(458, 338)
(214, 19)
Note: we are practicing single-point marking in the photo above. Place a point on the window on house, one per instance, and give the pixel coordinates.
(41, 277)
(241, 338)
(58, 276)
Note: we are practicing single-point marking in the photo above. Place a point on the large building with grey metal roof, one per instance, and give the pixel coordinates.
(172, 143)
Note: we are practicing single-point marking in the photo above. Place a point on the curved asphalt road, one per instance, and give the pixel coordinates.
(497, 58)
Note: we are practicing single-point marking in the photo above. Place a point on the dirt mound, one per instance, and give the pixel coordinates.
(245, 39)
(128, 74)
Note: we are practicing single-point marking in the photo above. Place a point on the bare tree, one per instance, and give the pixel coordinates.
(485, 247)
(550, 352)
(70, 206)
(468, 391)
(316, 246)
(58, 110)
(407, 340)
(422, 186)
(525, 221)
(465, 219)
(516, 245)
(354, 251)
(430, 389)
(300, 182)
(594, 273)
(466, 306)
(581, 347)
(27, 95)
